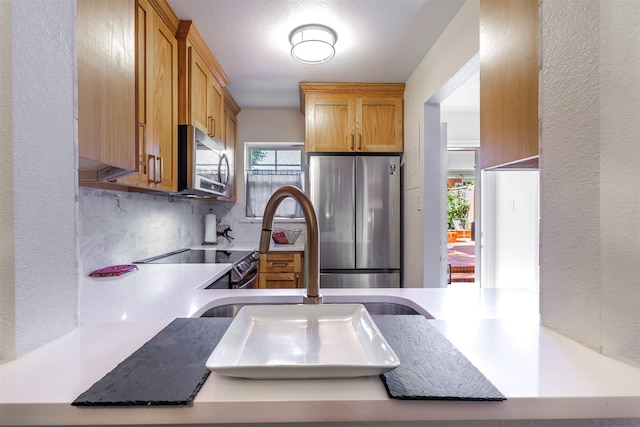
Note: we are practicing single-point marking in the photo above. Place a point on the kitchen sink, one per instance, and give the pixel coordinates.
(374, 308)
(296, 341)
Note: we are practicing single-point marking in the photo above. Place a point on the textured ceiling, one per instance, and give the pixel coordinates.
(378, 41)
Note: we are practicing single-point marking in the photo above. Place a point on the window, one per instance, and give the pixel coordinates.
(269, 167)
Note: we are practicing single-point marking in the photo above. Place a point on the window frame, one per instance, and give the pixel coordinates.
(277, 146)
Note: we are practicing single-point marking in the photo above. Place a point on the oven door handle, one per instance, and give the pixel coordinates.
(250, 282)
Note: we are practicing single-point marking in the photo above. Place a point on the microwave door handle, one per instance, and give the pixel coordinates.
(226, 160)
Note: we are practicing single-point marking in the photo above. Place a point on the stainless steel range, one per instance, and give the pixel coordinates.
(244, 270)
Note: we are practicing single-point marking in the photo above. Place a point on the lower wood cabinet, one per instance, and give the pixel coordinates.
(281, 270)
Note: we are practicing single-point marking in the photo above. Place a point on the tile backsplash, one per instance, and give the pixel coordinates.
(120, 227)
(249, 231)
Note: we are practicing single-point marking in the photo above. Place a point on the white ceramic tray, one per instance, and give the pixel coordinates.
(302, 341)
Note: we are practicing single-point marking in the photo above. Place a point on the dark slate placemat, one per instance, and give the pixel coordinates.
(167, 370)
(431, 368)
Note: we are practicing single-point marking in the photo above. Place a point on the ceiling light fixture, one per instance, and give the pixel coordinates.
(312, 44)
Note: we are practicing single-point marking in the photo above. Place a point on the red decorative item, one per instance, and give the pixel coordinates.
(114, 270)
(280, 237)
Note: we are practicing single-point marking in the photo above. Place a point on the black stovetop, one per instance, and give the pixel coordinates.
(197, 256)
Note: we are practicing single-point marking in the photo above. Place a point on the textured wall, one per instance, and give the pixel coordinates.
(7, 270)
(620, 177)
(621, 422)
(44, 157)
(589, 156)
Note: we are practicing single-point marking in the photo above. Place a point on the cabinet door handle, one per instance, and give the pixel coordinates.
(353, 147)
(210, 126)
(143, 151)
(151, 160)
(213, 128)
(359, 142)
(280, 263)
(160, 165)
(297, 280)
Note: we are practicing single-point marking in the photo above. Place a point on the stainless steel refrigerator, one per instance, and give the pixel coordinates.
(357, 201)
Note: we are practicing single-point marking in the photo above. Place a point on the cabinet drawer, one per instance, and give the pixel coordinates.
(280, 280)
(281, 262)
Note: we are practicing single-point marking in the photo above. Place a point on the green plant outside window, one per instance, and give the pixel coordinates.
(457, 209)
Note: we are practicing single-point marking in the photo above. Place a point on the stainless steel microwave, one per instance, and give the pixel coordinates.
(203, 165)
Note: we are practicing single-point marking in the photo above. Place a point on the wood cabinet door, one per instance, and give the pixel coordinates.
(379, 124)
(144, 149)
(106, 82)
(330, 124)
(230, 130)
(156, 102)
(199, 77)
(164, 105)
(281, 270)
(215, 110)
(509, 34)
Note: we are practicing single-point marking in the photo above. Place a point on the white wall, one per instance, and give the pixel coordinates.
(265, 126)
(510, 229)
(259, 126)
(458, 44)
(39, 289)
(590, 157)
(463, 127)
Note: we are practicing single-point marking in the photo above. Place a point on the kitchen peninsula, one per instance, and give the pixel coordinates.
(542, 373)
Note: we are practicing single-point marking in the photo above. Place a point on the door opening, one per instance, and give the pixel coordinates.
(451, 120)
(462, 213)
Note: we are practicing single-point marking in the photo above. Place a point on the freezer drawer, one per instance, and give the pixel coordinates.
(360, 280)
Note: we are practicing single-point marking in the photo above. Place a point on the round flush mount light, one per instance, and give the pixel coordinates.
(312, 44)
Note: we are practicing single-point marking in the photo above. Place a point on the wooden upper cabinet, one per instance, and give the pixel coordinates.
(509, 69)
(231, 111)
(164, 105)
(199, 77)
(379, 124)
(106, 89)
(216, 119)
(201, 81)
(329, 124)
(157, 97)
(341, 117)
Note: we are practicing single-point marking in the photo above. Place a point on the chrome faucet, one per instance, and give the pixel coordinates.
(312, 256)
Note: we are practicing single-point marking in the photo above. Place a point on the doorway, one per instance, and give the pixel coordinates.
(460, 110)
(462, 200)
(504, 224)
(451, 122)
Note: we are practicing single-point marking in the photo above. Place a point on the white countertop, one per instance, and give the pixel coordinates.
(298, 246)
(542, 373)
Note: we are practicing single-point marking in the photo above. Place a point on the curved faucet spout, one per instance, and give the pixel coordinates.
(312, 254)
